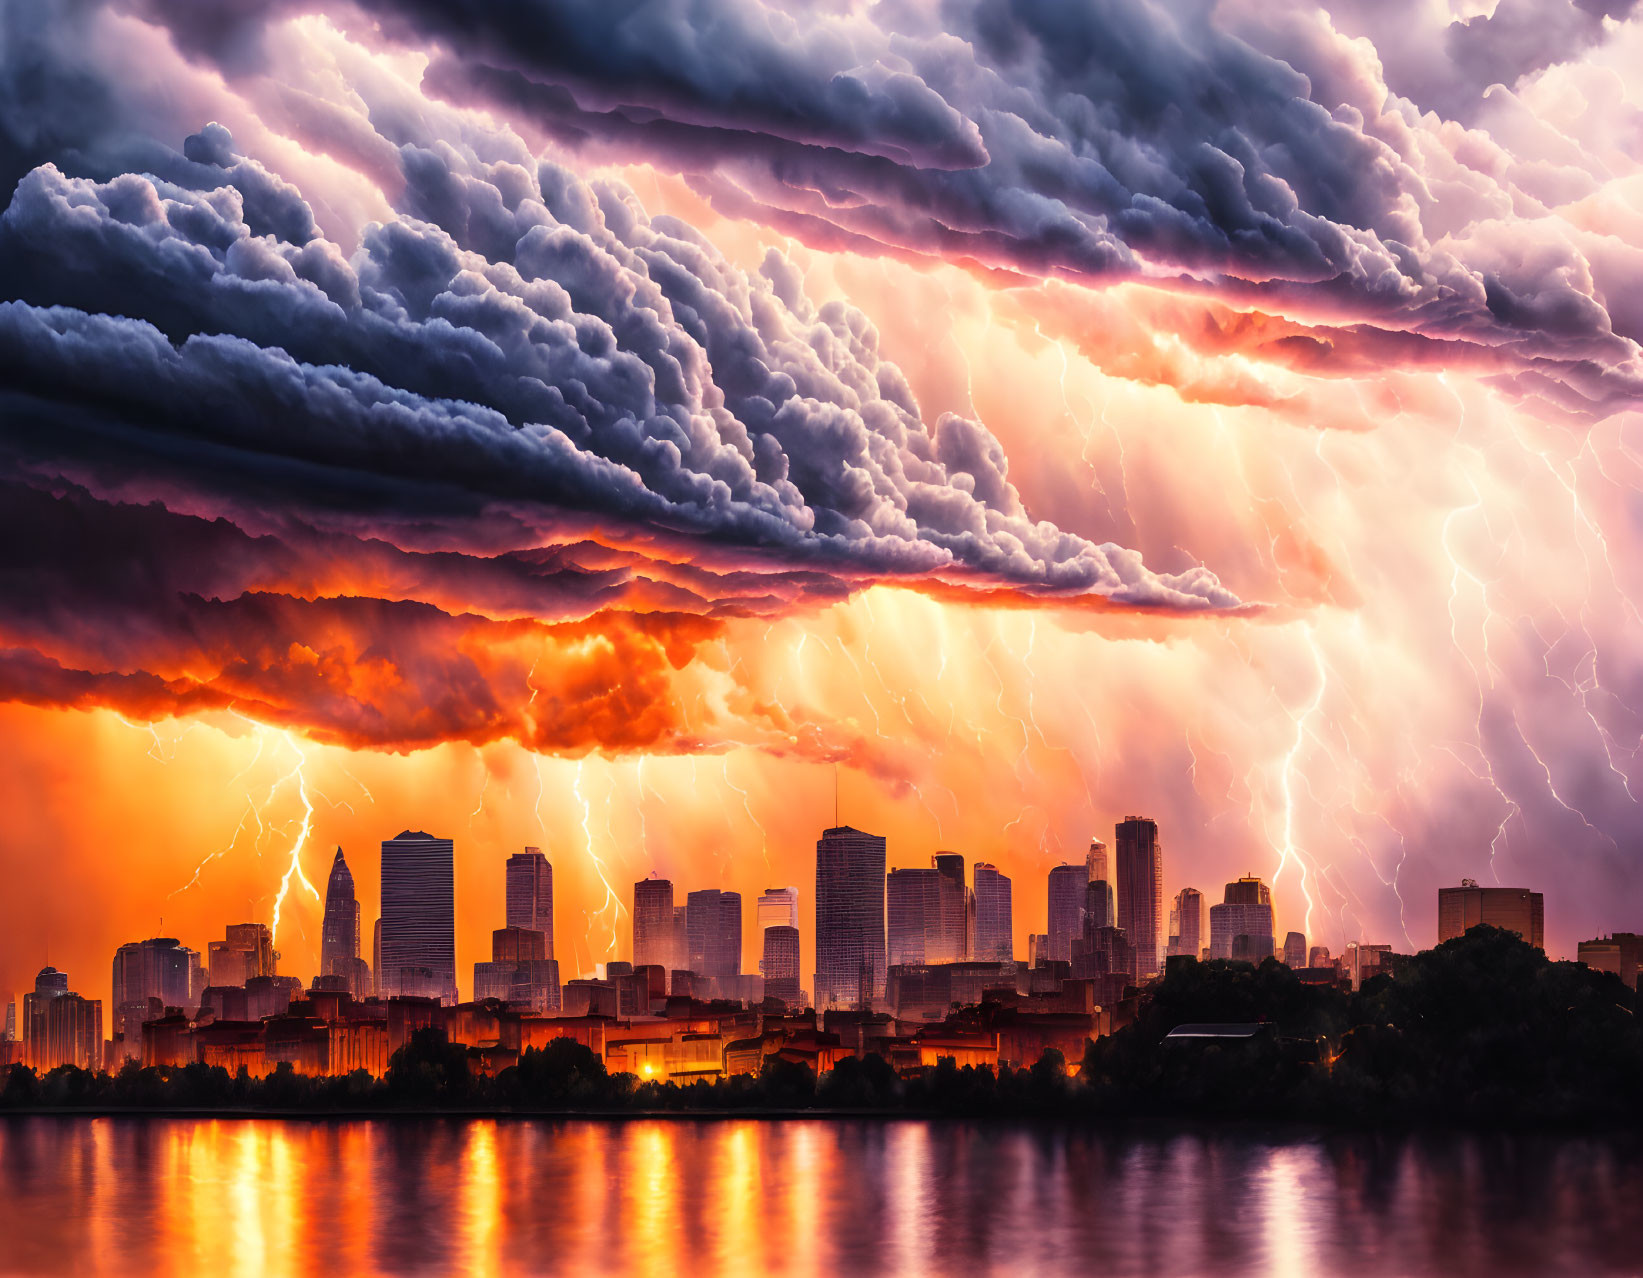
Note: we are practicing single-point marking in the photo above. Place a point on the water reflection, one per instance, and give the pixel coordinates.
(727, 1197)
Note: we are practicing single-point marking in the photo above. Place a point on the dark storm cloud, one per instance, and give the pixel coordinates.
(594, 360)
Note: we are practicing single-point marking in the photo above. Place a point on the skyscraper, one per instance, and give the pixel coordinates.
(59, 1027)
(850, 941)
(530, 894)
(713, 927)
(1512, 909)
(1068, 887)
(1295, 950)
(926, 913)
(778, 906)
(957, 906)
(1095, 862)
(1186, 923)
(1098, 906)
(1141, 891)
(780, 963)
(418, 916)
(340, 931)
(10, 1033)
(1248, 890)
(246, 950)
(653, 924)
(1245, 916)
(994, 938)
(159, 971)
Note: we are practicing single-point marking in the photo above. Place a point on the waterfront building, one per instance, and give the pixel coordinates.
(653, 924)
(246, 950)
(1141, 891)
(994, 938)
(850, 938)
(1513, 909)
(340, 931)
(60, 1027)
(780, 964)
(778, 907)
(1186, 922)
(1064, 909)
(158, 972)
(418, 917)
(713, 929)
(529, 893)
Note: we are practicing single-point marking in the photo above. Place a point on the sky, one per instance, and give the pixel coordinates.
(634, 429)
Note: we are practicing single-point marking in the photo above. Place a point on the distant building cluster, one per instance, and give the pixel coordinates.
(913, 963)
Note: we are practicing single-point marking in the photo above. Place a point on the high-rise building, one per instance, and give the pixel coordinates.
(376, 959)
(246, 950)
(1621, 954)
(11, 1021)
(418, 916)
(60, 1027)
(1294, 950)
(653, 924)
(1319, 956)
(1513, 909)
(340, 931)
(160, 969)
(994, 938)
(1095, 862)
(681, 944)
(1099, 908)
(1068, 887)
(850, 940)
(530, 894)
(778, 907)
(713, 928)
(1231, 920)
(1141, 891)
(1186, 922)
(1038, 949)
(927, 913)
(957, 906)
(780, 963)
(1248, 890)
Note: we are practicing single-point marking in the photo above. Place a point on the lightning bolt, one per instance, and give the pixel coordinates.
(294, 868)
(747, 807)
(612, 904)
(1288, 850)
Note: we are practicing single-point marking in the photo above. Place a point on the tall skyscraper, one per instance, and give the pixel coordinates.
(1512, 909)
(1186, 923)
(246, 950)
(1099, 910)
(1068, 887)
(926, 913)
(530, 894)
(994, 937)
(340, 932)
(850, 941)
(1241, 928)
(653, 924)
(780, 963)
(60, 1027)
(1095, 862)
(418, 916)
(1141, 891)
(1295, 950)
(1248, 890)
(778, 907)
(713, 927)
(957, 906)
(150, 976)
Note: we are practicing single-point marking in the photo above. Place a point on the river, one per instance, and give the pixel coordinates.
(421, 1195)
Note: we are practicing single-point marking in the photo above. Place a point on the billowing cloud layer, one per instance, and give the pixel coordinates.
(1243, 395)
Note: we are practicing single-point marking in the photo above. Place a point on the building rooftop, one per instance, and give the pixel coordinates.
(1217, 1031)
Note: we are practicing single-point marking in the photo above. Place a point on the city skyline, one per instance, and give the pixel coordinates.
(918, 925)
